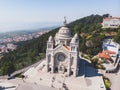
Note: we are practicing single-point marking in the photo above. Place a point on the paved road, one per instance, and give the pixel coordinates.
(114, 78)
(24, 69)
(19, 84)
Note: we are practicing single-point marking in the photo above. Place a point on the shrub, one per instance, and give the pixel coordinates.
(107, 82)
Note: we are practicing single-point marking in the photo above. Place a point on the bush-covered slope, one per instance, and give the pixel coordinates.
(89, 29)
(28, 52)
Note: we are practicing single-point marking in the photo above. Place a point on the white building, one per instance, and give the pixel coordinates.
(111, 22)
(108, 44)
(62, 52)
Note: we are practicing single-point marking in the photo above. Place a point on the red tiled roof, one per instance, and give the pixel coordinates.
(110, 52)
(106, 54)
(109, 18)
(67, 47)
(103, 55)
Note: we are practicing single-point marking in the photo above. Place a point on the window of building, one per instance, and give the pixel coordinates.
(72, 61)
(65, 70)
(49, 46)
(49, 58)
(56, 69)
(49, 69)
(63, 42)
(73, 48)
(60, 68)
(71, 73)
(106, 24)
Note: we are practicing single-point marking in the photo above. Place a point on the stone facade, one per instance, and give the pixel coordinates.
(62, 53)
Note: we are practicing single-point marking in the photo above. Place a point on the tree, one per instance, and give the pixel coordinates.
(8, 68)
(106, 15)
(117, 37)
(76, 29)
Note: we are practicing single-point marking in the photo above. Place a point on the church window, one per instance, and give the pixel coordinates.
(72, 48)
(72, 61)
(77, 40)
(60, 68)
(49, 69)
(56, 69)
(49, 46)
(71, 73)
(65, 70)
(49, 58)
(62, 42)
(61, 57)
(77, 49)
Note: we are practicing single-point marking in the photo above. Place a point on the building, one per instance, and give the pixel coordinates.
(111, 54)
(11, 46)
(3, 49)
(63, 52)
(111, 22)
(109, 44)
(63, 69)
(110, 49)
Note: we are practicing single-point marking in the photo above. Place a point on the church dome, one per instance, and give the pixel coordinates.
(64, 31)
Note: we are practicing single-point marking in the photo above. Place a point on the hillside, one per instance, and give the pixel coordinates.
(91, 36)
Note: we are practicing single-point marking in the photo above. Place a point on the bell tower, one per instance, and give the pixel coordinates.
(74, 51)
(49, 55)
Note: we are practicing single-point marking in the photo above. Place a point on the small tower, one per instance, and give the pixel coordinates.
(74, 50)
(50, 43)
(74, 44)
(49, 55)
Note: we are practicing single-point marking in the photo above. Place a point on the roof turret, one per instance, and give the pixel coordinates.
(74, 38)
(50, 39)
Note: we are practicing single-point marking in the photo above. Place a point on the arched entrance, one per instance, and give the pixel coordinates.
(56, 69)
(61, 69)
(49, 69)
(65, 70)
(71, 73)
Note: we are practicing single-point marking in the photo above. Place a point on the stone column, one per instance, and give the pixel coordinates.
(69, 67)
(52, 61)
(75, 68)
(46, 62)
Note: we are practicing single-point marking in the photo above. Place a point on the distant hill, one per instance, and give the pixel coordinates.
(29, 52)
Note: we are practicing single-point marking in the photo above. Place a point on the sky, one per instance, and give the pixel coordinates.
(33, 14)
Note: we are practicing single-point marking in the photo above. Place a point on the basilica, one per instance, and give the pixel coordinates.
(63, 69)
(62, 53)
